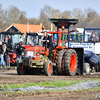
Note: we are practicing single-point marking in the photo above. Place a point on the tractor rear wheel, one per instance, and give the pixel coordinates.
(60, 61)
(48, 68)
(70, 62)
(21, 69)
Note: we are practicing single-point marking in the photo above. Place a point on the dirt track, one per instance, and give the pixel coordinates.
(11, 77)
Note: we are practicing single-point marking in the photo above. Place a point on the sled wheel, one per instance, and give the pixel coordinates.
(20, 69)
(86, 68)
(70, 62)
(60, 61)
(48, 68)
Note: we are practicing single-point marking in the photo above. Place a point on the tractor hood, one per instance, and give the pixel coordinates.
(35, 48)
(27, 46)
(38, 49)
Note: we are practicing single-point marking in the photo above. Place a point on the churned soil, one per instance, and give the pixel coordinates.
(11, 77)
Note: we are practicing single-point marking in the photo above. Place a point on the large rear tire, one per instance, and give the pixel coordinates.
(48, 68)
(21, 69)
(60, 61)
(70, 62)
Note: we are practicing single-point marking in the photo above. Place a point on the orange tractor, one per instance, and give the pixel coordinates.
(64, 59)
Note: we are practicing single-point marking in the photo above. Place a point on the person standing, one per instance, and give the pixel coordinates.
(94, 38)
(48, 39)
(6, 56)
(2, 63)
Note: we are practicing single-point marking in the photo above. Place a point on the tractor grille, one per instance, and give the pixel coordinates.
(27, 61)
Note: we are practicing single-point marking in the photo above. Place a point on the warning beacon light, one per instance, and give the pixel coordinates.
(43, 27)
(63, 27)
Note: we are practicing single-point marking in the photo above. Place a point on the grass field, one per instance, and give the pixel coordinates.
(47, 83)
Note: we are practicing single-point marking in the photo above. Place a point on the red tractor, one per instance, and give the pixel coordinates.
(64, 59)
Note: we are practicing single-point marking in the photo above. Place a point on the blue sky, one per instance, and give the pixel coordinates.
(32, 7)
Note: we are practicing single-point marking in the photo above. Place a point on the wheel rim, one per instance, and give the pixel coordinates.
(22, 68)
(73, 62)
(49, 68)
(63, 63)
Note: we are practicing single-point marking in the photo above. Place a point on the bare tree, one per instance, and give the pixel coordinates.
(1, 18)
(67, 14)
(13, 15)
(33, 21)
(48, 12)
(22, 19)
(91, 15)
(78, 13)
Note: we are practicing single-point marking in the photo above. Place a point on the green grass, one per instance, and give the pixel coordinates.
(47, 83)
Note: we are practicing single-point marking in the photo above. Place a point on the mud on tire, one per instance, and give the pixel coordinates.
(60, 61)
(21, 70)
(48, 68)
(70, 62)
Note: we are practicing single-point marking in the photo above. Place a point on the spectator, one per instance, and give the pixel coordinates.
(94, 38)
(6, 56)
(48, 40)
(2, 63)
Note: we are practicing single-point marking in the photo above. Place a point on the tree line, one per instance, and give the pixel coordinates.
(13, 15)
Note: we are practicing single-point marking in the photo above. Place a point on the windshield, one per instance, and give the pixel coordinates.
(73, 37)
(31, 40)
(34, 39)
(11, 40)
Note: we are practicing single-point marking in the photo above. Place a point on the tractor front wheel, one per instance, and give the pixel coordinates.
(48, 68)
(21, 69)
(70, 62)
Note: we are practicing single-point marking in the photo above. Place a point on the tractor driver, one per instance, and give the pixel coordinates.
(48, 39)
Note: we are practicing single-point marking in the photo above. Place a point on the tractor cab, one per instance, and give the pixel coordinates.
(31, 39)
(11, 39)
